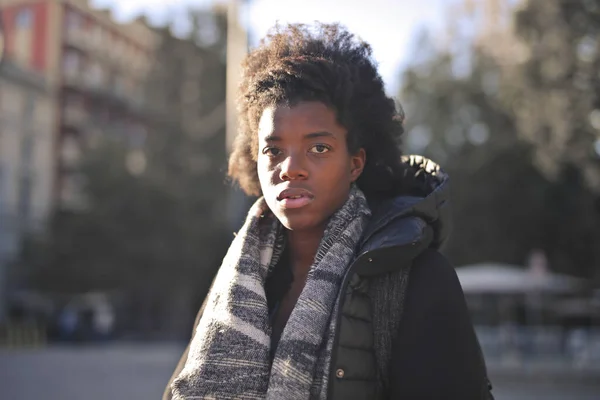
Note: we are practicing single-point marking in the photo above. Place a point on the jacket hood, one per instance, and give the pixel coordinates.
(412, 222)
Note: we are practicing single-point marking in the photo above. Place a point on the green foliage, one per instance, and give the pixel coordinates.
(556, 91)
(504, 204)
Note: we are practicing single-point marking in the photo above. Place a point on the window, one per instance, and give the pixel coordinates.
(29, 109)
(2, 168)
(96, 74)
(137, 135)
(98, 35)
(73, 99)
(119, 49)
(24, 18)
(11, 101)
(43, 114)
(27, 144)
(73, 21)
(24, 209)
(3, 98)
(27, 160)
(120, 85)
(72, 194)
(27, 136)
(71, 63)
(69, 150)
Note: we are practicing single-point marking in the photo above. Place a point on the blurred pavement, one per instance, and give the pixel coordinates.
(140, 371)
(114, 371)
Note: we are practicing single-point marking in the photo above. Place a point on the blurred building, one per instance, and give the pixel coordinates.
(94, 67)
(26, 158)
(69, 74)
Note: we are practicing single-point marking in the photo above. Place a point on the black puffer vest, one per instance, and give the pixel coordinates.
(400, 229)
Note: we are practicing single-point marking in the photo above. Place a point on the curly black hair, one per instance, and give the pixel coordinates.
(324, 63)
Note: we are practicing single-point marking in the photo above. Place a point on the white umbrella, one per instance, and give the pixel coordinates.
(510, 279)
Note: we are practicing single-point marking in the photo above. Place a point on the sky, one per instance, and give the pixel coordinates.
(388, 25)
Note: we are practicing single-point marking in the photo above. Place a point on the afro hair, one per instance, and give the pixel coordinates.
(324, 63)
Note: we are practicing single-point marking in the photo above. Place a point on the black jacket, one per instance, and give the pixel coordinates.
(435, 354)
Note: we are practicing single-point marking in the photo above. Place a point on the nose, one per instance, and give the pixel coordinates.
(293, 168)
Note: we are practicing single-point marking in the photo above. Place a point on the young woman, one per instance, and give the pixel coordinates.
(333, 288)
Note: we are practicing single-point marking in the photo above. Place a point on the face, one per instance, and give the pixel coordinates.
(304, 166)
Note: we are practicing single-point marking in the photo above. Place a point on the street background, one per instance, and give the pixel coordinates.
(116, 119)
(140, 372)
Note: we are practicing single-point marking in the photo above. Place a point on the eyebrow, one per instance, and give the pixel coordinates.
(313, 135)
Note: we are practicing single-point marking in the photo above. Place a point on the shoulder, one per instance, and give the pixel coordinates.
(434, 294)
(433, 275)
(432, 262)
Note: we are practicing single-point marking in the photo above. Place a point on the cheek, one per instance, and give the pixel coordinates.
(339, 182)
(261, 170)
(344, 173)
(265, 174)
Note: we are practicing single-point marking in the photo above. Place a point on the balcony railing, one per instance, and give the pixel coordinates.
(70, 152)
(78, 38)
(126, 96)
(72, 194)
(75, 116)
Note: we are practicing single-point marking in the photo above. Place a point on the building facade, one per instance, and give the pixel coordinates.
(26, 159)
(69, 74)
(95, 68)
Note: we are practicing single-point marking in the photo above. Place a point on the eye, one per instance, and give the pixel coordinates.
(319, 149)
(271, 151)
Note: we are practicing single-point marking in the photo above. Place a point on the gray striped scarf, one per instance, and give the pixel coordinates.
(229, 354)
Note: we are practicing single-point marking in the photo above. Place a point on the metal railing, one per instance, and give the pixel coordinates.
(16, 335)
(544, 345)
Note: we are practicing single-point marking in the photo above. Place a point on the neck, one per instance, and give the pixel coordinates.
(303, 246)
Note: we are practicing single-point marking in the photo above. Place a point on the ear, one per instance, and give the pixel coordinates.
(357, 164)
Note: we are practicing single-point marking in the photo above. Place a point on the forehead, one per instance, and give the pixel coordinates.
(302, 118)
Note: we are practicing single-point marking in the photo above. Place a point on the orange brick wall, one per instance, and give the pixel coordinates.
(32, 51)
(40, 32)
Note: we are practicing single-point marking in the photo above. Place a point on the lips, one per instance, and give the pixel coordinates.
(294, 198)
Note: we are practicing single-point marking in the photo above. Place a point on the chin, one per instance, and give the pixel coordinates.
(297, 222)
